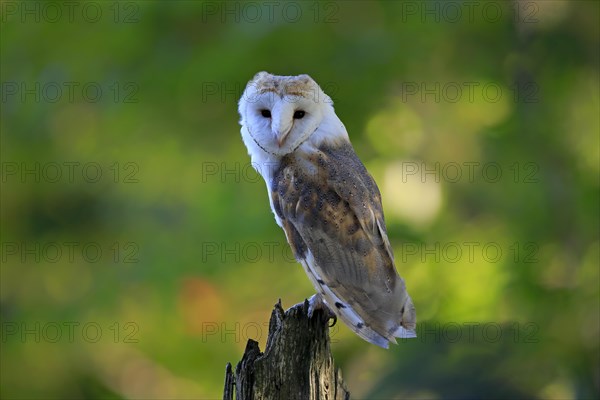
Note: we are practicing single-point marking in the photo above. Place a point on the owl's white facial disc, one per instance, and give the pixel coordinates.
(282, 112)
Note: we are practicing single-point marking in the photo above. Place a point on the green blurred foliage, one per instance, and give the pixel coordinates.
(191, 259)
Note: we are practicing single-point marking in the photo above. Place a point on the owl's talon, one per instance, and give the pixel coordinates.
(313, 304)
(316, 302)
(334, 318)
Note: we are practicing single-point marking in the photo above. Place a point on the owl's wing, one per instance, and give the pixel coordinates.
(330, 208)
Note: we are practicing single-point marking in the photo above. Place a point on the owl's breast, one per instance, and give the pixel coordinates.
(301, 185)
(312, 211)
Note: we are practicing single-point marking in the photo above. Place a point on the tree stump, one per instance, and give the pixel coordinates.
(297, 362)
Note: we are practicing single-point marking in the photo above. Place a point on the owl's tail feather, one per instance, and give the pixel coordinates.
(373, 337)
(347, 314)
(364, 326)
(404, 333)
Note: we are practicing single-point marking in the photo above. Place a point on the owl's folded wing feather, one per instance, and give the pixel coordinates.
(334, 222)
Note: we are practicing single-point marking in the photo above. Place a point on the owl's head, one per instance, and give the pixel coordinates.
(282, 112)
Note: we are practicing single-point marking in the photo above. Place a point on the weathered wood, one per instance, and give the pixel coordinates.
(297, 362)
(229, 383)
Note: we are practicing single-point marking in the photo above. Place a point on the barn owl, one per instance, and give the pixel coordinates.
(327, 204)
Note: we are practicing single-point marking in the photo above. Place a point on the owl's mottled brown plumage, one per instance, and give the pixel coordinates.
(327, 204)
(336, 214)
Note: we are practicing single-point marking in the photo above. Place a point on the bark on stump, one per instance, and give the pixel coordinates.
(297, 363)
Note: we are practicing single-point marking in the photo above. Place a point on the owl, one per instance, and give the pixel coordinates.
(327, 204)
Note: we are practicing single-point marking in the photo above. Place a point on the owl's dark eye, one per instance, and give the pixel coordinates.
(299, 114)
(265, 113)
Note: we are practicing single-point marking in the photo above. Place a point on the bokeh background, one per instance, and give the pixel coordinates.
(139, 252)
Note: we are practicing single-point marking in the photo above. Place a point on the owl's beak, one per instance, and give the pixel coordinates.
(281, 135)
